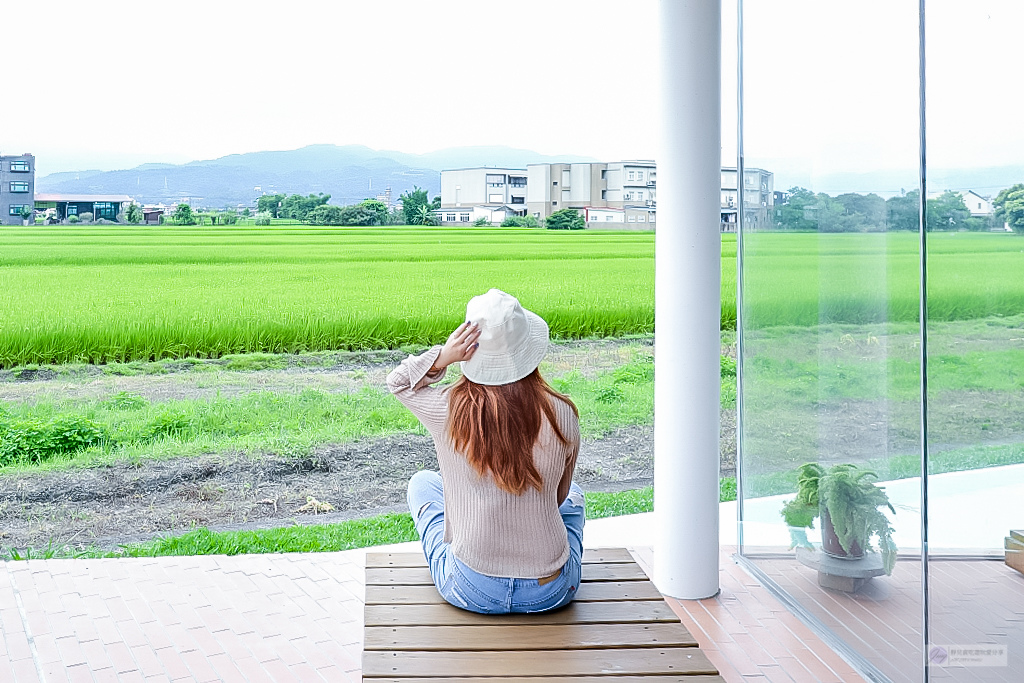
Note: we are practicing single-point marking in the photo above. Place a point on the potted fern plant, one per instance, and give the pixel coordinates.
(849, 504)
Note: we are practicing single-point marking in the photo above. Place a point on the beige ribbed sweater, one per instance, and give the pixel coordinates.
(492, 531)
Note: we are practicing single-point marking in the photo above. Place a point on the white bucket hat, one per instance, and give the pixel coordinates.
(512, 339)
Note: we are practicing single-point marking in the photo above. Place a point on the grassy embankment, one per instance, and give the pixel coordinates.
(140, 429)
(134, 428)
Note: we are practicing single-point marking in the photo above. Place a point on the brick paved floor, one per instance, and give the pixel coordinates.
(298, 617)
(294, 617)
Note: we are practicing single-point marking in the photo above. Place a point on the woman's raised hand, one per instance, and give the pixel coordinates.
(461, 345)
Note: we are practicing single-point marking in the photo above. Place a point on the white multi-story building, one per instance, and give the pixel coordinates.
(631, 182)
(758, 198)
(619, 195)
(471, 193)
(17, 188)
(629, 187)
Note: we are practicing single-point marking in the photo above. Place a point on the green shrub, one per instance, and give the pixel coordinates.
(133, 214)
(73, 219)
(367, 212)
(124, 400)
(85, 217)
(728, 366)
(33, 441)
(426, 216)
(520, 222)
(183, 215)
(26, 372)
(170, 423)
(378, 209)
(72, 433)
(566, 219)
(636, 372)
(611, 394)
(326, 215)
(262, 218)
(1009, 205)
(482, 222)
(247, 362)
(21, 441)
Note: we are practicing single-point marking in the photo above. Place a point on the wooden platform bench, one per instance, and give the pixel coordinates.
(618, 629)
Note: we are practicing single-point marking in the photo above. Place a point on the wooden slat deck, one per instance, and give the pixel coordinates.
(617, 630)
(1014, 555)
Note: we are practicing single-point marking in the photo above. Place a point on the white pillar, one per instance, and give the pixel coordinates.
(688, 301)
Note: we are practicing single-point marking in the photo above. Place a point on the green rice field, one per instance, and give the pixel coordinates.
(809, 279)
(115, 293)
(118, 294)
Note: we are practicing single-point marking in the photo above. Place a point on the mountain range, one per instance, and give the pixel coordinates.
(352, 173)
(348, 173)
(985, 181)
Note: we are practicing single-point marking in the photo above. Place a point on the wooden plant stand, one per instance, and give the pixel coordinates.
(845, 575)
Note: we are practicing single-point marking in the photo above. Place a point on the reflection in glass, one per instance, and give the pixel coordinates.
(829, 331)
(975, 351)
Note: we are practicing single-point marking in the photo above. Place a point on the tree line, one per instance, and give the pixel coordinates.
(851, 212)
(185, 215)
(417, 209)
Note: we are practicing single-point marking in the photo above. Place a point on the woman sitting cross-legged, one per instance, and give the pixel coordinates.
(502, 524)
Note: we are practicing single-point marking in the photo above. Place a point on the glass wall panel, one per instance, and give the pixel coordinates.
(975, 360)
(830, 336)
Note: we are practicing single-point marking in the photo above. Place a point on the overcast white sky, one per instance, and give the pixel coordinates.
(830, 86)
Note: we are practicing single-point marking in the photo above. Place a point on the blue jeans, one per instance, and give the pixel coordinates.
(476, 592)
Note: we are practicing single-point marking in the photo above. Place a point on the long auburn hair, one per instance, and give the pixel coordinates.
(497, 426)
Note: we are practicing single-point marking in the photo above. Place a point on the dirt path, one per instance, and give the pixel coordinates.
(332, 372)
(126, 503)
